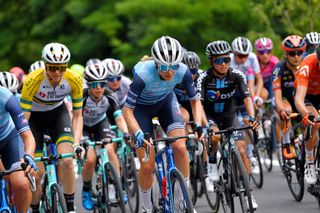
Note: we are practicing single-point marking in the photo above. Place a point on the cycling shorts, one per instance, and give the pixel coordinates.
(167, 110)
(11, 150)
(56, 123)
(226, 120)
(99, 131)
(187, 106)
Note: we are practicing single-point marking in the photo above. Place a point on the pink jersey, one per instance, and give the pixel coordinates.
(267, 71)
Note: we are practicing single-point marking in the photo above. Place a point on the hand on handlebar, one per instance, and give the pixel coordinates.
(284, 115)
(139, 140)
(79, 151)
(31, 165)
(307, 120)
(255, 125)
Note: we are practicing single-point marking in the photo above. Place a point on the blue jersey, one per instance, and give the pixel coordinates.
(149, 88)
(11, 115)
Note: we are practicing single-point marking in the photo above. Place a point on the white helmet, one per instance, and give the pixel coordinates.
(113, 66)
(36, 65)
(9, 81)
(93, 61)
(312, 38)
(96, 72)
(241, 45)
(167, 51)
(55, 53)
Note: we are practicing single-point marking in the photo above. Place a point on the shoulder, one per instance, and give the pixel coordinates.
(72, 77)
(274, 59)
(33, 78)
(5, 94)
(311, 60)
(144, 67)
(125, 81)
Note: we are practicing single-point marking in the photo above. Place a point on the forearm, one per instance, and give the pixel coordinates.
(299, 100)
(249, 106)
(278, 100)
(27, 115)
(251, 87)
(198, 112)
(29, 142)
(130, 120)
(259, 83)
(77, 124)
(121, 123)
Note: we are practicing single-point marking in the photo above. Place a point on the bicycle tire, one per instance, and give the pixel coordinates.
(57, 199)
(225, 184)
(241, 181)
(130, 182)
(111, 175)
(266, 147)
(177, 177)
(211, 197)
(257, 178)
(193, 179)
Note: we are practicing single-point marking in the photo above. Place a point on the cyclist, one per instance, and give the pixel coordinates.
(216, 87)
(10, 81)
(267, 61)
(97, 100)
(20, 74)
(151, 95)
(13, 123)
(283, 80)
(117, 82)
(307, 102)
(42, 102)
(93, 61)
(242, 59)
(36, 65)
(312, 40)
(245, 60)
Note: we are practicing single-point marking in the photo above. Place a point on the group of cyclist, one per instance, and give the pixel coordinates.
(70, 103)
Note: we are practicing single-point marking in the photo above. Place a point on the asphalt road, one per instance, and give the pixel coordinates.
(273, 197)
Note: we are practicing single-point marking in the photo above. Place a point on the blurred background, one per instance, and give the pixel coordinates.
(126, 29)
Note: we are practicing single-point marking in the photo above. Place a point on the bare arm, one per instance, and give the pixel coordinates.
(198, 112)
(251, 87)
(278, 99)
(77, 124)
(130, 120)
(121, 123)
(29, 142)
(259, 83)
(299, 100)
(27, 115)
(249, 106)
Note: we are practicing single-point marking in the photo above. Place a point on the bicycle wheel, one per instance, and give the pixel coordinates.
(57, 199)
(193, 178)
(241, 181)
(179, 184)
(265, 146)
(224, 187)
(257, 178)
(130, 182)
(211, 197)
(112, 178)
(294, 173)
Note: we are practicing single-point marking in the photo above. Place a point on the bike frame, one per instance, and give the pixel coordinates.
(4, 204)
(50, 166)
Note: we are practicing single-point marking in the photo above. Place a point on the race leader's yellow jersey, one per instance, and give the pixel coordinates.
(39, 95)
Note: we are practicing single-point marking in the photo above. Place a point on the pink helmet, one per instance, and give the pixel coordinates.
(18, 72)
(263, 43)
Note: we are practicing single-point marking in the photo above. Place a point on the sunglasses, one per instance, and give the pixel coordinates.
(241, 56)
(262, 52)
(220, 61)
(55, 67)
(97, 84)
(165, 68)
(294, 53)
(114, 78)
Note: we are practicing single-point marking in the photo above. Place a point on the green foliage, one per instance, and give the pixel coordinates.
(126, 29)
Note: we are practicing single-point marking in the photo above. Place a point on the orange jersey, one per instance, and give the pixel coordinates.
(308, 75)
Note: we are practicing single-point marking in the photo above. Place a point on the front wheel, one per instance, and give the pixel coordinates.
(181, 196)
(112, 179)
(57, 199)
(257, 176)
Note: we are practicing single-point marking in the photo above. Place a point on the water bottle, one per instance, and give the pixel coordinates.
(297, 142)
(267, 126)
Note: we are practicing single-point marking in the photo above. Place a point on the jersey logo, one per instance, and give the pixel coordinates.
(304, 71)
(213, 95)
(42, 95)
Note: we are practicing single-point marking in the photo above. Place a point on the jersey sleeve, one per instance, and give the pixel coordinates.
(76, 85)
(276, 77)
(242, 83)
(302, 76)
(113, 100)
(250, 74)
(17, 115)
(255, 63)
(30, 87)
(136, 88)
(189, 86)
(200, 85)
